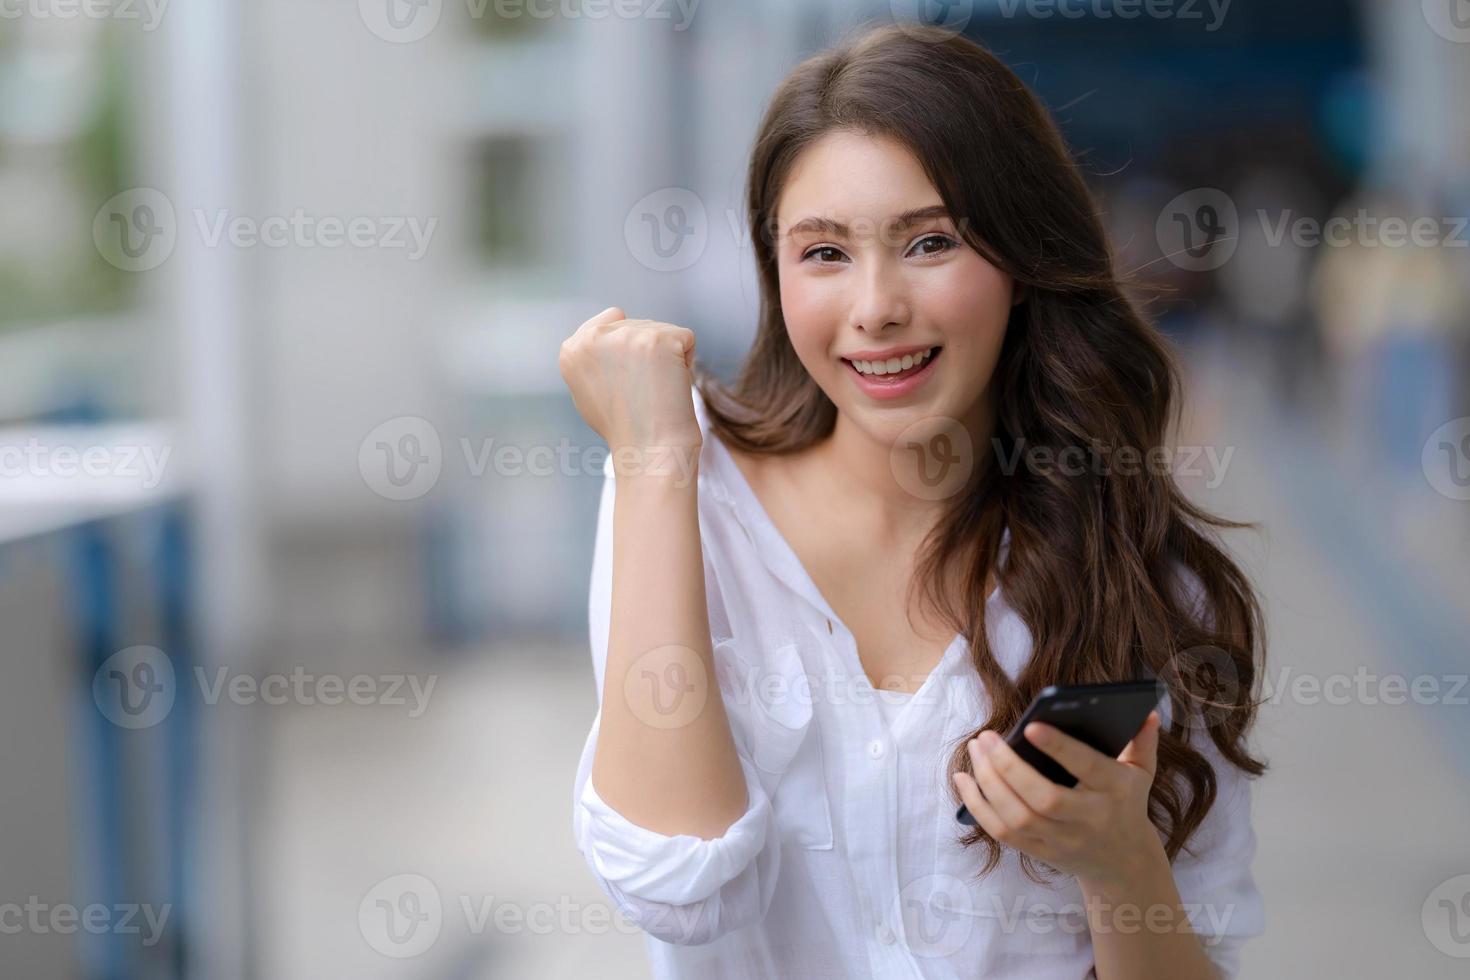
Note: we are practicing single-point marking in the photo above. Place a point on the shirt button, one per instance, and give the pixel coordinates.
(885, 934)
(877, 749)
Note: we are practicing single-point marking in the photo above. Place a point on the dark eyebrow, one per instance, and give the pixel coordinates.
(839, 230)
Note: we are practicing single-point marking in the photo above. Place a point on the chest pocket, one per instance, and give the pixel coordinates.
(770, 708)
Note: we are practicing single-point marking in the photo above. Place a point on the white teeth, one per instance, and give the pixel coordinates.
(893, 364)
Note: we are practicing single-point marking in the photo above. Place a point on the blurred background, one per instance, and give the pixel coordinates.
(296, 516)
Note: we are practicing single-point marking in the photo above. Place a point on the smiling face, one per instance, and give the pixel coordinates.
(892, 314)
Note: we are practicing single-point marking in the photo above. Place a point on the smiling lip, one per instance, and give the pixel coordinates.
(890, 386)
(883, 355)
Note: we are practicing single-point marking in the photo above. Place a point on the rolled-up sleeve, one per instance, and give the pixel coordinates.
(680, 888)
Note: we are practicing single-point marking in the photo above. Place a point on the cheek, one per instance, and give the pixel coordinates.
(810, 308)
(972, 301)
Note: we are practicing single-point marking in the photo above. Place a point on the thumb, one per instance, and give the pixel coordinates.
(1143, 750)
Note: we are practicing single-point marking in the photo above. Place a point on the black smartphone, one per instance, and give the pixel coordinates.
(1105, 716)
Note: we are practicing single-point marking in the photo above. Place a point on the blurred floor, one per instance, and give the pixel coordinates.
(1362, 814)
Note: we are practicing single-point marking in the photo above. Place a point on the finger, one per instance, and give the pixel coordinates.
(612, 314)
(1143, 750)
(1091, 767)
(982, 811)
(1039, 793)
(685, 336)
(1012, 809)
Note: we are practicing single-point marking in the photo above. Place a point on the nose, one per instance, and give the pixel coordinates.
(882, 298)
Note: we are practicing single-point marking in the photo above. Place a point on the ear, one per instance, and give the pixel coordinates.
(1018, 293)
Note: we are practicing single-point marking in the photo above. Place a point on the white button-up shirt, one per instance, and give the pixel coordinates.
(846, 862)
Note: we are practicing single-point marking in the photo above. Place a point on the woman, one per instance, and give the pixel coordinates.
(930, 493)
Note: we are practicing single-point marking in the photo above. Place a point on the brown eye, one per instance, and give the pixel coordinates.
(824, 254)
(933, 245)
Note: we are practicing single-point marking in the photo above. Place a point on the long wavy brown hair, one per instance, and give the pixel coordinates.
(1095, 560)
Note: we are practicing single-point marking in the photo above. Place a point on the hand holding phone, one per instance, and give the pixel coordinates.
(1104, 716)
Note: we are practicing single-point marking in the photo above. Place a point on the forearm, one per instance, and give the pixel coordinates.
(1139, 929)
(665, 757)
